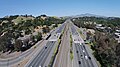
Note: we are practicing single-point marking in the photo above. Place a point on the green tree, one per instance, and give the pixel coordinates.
(18, 45)
(45, 29)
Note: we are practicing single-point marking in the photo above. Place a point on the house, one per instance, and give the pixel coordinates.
(117, 37)
(100, 26)
(118, 31)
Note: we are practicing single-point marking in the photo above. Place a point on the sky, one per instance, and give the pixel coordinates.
(60, 7)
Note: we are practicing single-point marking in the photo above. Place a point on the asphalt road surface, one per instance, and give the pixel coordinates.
(40, 59)
(81, 52)
(11, 61)
(63, 54)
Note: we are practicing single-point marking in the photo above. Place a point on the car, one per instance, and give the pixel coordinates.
(86, 57)
(76, 51)
(52, 41)
(45, 47)
(79, 62)
(89, 57)
(84, 46)
(83, 50)
(82, 56)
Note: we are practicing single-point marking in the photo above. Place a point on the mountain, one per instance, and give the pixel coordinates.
(86, 15)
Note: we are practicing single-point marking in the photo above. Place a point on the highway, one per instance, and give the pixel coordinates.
(42, 59)
(83, 58)
(82, 55)
(63, 57)
(61, 28)
(9, 62)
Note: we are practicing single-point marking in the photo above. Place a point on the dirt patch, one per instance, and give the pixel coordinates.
(21, 63)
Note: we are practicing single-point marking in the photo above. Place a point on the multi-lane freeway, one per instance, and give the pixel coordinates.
(42, 59)
(82, 57)
(15, 60)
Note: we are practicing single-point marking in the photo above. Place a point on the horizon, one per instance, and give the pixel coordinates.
(60, 7)
(61, 16)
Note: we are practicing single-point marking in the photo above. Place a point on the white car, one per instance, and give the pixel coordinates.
(83, 50)
(86, 57)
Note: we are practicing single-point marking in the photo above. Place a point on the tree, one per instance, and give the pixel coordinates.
(55, 25)
(45, 29)
(18, 45)
(38, 36)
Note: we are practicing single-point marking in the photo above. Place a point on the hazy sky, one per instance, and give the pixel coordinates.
(60, 7)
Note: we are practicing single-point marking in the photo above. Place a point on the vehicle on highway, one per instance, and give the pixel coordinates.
(86, 57)
(45, 47)
(52, 41)
(84, 46)
(76, 51)
(83, 50)
(89, 57)
(79, 62)
(82, 56)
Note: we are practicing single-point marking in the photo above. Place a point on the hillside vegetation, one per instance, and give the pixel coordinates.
(20, 32)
